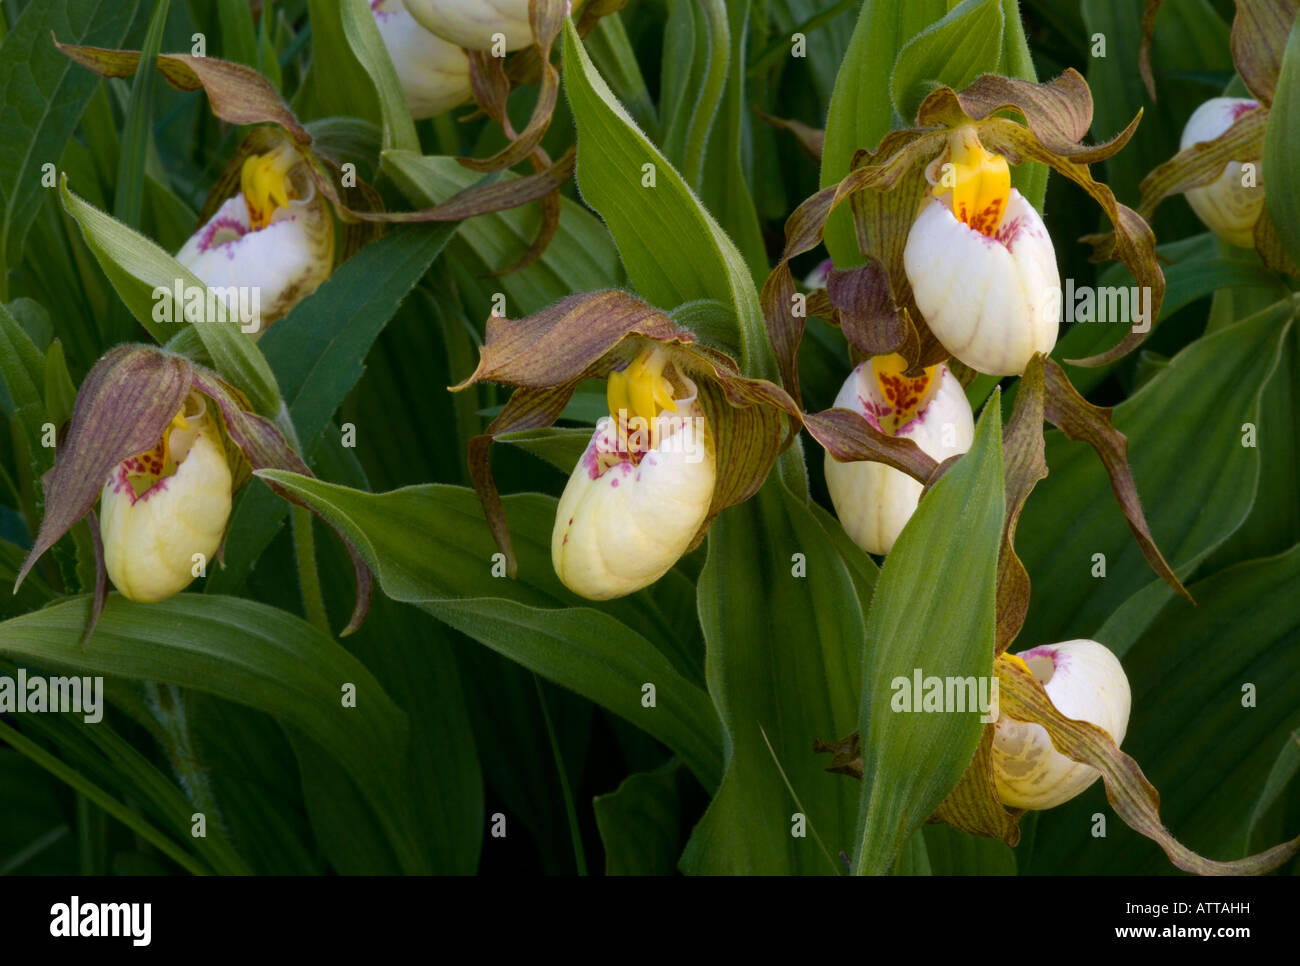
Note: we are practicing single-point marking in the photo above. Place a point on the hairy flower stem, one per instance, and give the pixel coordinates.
(167, 703)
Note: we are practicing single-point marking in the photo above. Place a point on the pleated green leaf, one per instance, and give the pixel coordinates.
(780, 605)
(639, 823)
(954, 50)
(580, 258)
(42, 97)
(673, 249)
(932, 616)
(1281, 145)
(138, 268)
(248, 653)
(589, 650)
(317, 353)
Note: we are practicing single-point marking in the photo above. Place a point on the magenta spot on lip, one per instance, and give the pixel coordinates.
(1240, 109)
(218, 224)
(1008, 231)
(121, 484)
(872, 412)
(1045, 650)
(613, 482)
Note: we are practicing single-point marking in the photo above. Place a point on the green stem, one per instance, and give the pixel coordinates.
(304, 545)
(167, 703)
(697, 135)
(87, 847)
(446, 133)
(579, 854)
(304, 541)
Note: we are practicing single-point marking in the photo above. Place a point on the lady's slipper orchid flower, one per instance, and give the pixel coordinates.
(1060, 714)
(270, 246)
(1227, 207)
(643, 487)
(973, 274)
(162, 443)
(1085, 682)
(981, 264)
(874, 501)
(687, 435)
(433, 74)
(473, 24)
(165, 510)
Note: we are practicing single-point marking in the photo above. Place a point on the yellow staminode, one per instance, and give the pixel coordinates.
(265, 182)
(906, 394)
(980, 181)
(641, 392)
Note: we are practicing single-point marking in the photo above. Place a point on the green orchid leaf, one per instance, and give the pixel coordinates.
(147, 279)
(932, 618)
(249, 653)
(673, 249)
(639, 825)
(954, 50)
(44, 95)
(595, 652)
(779, 599)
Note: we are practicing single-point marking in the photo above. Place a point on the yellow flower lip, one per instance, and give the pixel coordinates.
(980, 181)
(266, 184)
(907, 395)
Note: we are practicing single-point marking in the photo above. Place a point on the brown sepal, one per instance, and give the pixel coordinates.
(238, 94)
(1025, 465)
(1259, 36)
(1080, 420)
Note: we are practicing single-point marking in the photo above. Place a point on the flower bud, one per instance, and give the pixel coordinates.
(434, 74)
(641, 490)
(268, 247)
(160, 508)
(1226, 207)
(874, 501)
(1084, 681)
(472, 24)
(981, 264)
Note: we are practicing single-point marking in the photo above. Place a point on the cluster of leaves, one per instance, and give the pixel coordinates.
(480, 695)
